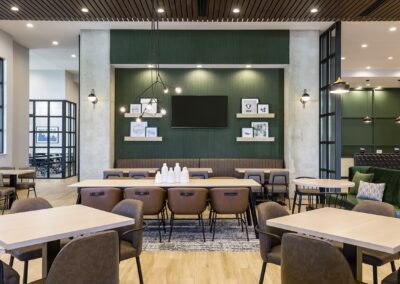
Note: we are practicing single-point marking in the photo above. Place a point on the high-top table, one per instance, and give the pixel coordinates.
(355, 230)
(154, 170)
(49, 226)
(204, 183)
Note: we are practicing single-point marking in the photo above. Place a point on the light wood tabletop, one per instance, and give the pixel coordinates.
(154, 170)
(323, 183)
(16, 172)
(264, 170)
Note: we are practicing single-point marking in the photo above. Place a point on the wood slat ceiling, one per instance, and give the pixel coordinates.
(191, 10)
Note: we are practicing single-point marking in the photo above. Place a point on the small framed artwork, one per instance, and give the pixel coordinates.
(260, 129)
(135, 108)
(149, 105)
(247, 132)
(263, 108)
(151, 131)
(43, 134)
(249, 105)
(138, 129)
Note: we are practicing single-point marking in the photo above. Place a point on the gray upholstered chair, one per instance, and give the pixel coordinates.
(110, 174)
(131, 237)
(138, 174)
(32, 252)
(278, 184)
(313, 261)
(27, 181)
(270, 237)
(260, 178)
(8, 275)
(198, 174)
(89, 259)
(6, 193)
(372, 257)
(103, 198)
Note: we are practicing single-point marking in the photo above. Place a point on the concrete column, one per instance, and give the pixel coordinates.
(96, 121)
(302, 124)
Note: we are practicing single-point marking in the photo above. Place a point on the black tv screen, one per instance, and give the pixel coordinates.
(199, 111)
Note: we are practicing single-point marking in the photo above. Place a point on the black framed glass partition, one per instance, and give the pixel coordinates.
(52, 138)
(2, 105)
(330, 104)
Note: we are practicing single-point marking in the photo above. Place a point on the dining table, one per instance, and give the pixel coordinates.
(356, 230)
(49, 226)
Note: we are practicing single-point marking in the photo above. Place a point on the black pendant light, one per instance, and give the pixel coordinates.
(339, 87)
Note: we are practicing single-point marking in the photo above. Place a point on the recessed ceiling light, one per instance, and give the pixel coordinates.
(73, 55)
(236, 10)
(14, 8)
(368, 67)
(199, 66)
(368, 85)
(54, 42)
(29, 25)
(248, 66)
(393, 29)
(160, 10)
(390, 57)
(314, 10)
(364, 45)
(359, 88)
(378, 88)
(343, 58)
(85, 10)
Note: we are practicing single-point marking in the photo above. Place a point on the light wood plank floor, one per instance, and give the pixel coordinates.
(175, 267)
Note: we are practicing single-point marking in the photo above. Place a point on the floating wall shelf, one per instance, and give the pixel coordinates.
(139, 139)
(255, 139)
(255, 115)
(145, 115)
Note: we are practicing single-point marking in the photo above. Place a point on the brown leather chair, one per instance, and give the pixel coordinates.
(138, 174)
(153, 199)
(278, 184)
(270, 237)
(313, 261)
(8, 275)
(103, 198)
(27, 181)
(229, 201)
(372, 257)
(89, 259)
(32, 252)
(131, 237)
(108, 174)
(187, 201)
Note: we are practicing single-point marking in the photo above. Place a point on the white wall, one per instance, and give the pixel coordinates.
(71, 88)
(302, 124)
(47, 84)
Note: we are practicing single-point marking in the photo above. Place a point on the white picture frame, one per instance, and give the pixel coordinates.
(138, 129)
(249, 105)
(151, 131)
(247, 132)
(260, 129)
(145, 102)
(263, 108)
(135, 108)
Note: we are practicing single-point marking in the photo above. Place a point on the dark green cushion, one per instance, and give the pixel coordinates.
(360, 177)
(392, 180)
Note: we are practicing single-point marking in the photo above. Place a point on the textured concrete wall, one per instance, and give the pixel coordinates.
(302, 124)
(96, 121)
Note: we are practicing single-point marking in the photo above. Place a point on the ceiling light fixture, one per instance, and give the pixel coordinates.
(314, 10)
(359, 88)
(339, 87)
(304, 98)
(378, 88)
(368, 84)
(122, 109)
(199, 66)
(343, 58)
(248, 66)
(160, 10)
(54, 42)
(85, 10)
(14, 8)
(150, 66)
(178, 90)
(364, 45)
(29, 25)
(236, 10)
(390, 58)
(393, 29)
(368, 67)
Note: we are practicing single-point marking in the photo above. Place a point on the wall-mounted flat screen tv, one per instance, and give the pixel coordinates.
(199, 111)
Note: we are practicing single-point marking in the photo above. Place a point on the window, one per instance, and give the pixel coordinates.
(1, 105)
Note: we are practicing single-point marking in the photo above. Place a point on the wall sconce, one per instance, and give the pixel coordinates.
(305, 98)
(92, 97)
(397, 120)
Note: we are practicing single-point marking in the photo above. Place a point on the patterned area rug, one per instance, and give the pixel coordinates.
(187, 236)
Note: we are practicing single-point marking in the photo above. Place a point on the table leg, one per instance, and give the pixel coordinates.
(78, 199)
(49, 253)
(353, 255)
(252, 205)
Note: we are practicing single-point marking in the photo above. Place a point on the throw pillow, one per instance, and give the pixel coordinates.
(357, 178)
(371, 191)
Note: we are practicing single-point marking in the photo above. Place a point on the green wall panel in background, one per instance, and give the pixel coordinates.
(265, 84)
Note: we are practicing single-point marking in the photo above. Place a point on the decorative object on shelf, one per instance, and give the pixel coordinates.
(247, 132)
(184, 175)
(249, 105)
(135, 108)
(138, 129)
(379, 151)
(171, 176)
(260, 129)
(362, 150)
(397, 120)
(339, 87)
(149, 105)
(304, 98)
(367, 119)
(151, 131)
(92, 97)
(396, 150)
(263, 108)
(177, 172)
(158, 178)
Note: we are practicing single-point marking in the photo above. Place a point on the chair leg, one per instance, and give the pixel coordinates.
(212, 222)
(299, 204)
(202, 226)
(245, 226)
(294, 201)
(393, 266)
(25, 277)
(264, 266)
(159, 226)
(11, 261)
(375, 274)
(139, 269)
(163, 220)
(288, 198)
(34, 191)
(214, 225)
(171, 226)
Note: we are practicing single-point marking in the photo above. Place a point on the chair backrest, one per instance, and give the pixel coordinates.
(138, 174)
(108, 174)
(103, 198)
(376, 208)
(8, 275)
(229, 200)
(29, 204)
(255, 175)
(279, 177)
(187, 200)
(133, 209)
(153, 198)
(90, 259)
(198, 174)
(266, 211)
(29, 175)
(313, 261)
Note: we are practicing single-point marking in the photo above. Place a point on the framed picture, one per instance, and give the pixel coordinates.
(138, 129)
(151, 131)
(43, 134)
(260, 129)
(149, 105)
(247, 132)
(249, 105)
(135, 108)
(263, 108)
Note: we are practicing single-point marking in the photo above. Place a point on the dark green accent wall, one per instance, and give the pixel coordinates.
(265, 84)
(201, 47)
(383, 133)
